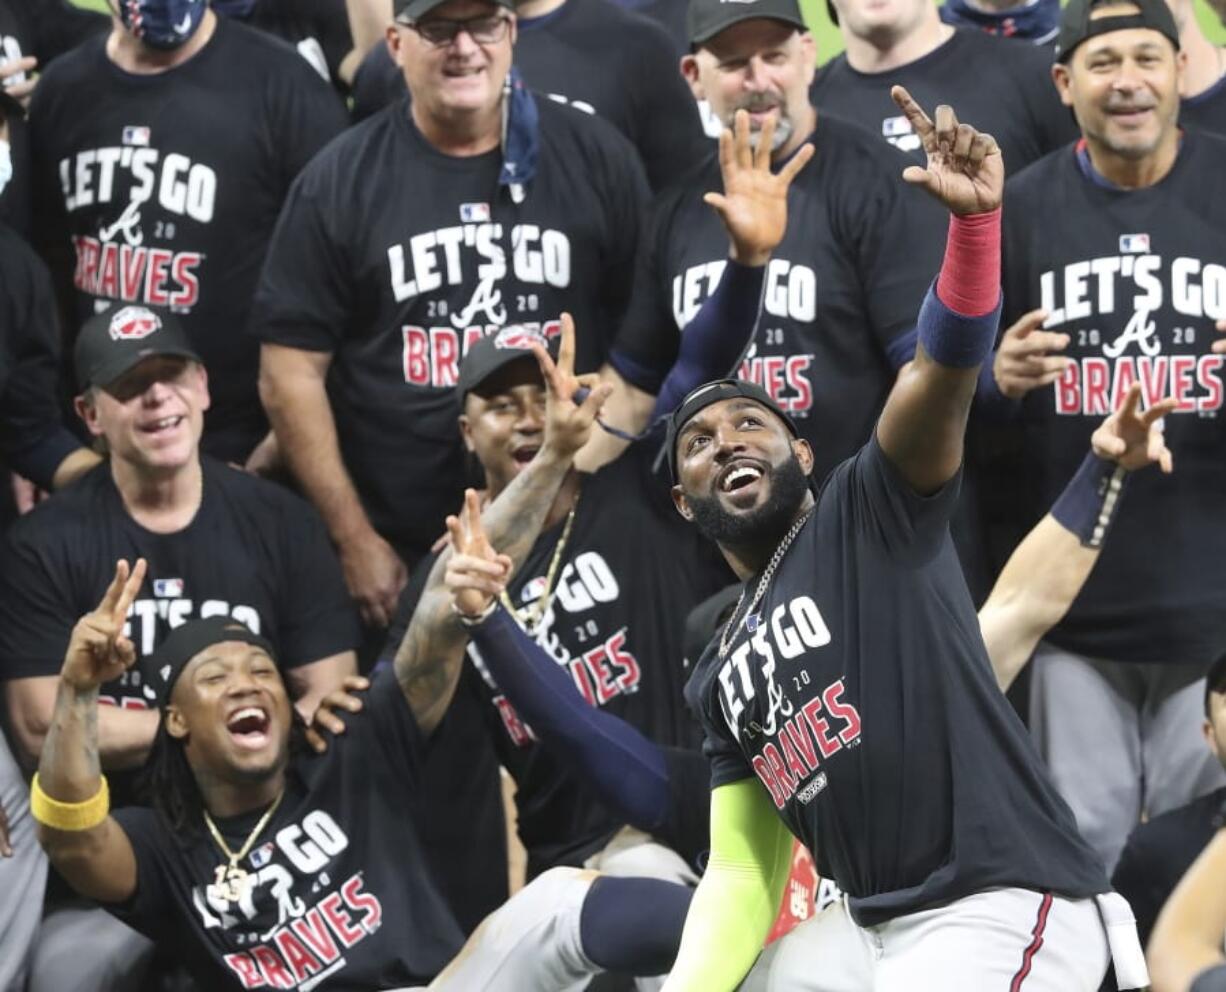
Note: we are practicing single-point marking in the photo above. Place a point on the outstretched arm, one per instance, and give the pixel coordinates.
(428, 660)
(68, 796)
(738, 897)
(1047, 570)
(922, 426)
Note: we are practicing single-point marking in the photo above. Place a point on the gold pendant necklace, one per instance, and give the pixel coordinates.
(532, 614)
(231, 881)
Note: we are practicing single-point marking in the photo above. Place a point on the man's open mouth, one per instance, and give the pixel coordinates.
(249, 727)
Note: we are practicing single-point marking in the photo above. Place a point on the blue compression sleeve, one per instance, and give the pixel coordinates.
(714, 341)
(626, 770)
(1088, 504)
(633, 925)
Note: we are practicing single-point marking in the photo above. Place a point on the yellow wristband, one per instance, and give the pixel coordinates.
(69, 816)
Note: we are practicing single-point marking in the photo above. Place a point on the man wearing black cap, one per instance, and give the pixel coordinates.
(263, 865)
(850, 702)
(605, 576)
(1117, 245)
(1160, 851)
(473, 207)
(162, 153)
(840, 293)
(905, 42)
(219, 542)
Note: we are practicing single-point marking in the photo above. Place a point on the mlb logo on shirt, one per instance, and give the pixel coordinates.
(892, 127)
(261, 855)
(1134, 244)
(168, 588)
(474, 213)
(534, 590)
(133, 135)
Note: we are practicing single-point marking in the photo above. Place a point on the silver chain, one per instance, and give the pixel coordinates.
(725, 640)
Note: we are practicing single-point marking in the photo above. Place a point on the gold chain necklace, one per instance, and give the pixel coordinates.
(534, 612)
(231, 881)
(726, 638)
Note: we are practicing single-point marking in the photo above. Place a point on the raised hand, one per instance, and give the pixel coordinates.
(97, 651)
(754, 203)
(1024, 360)
(476, 573)
(965, 169)
(572, 402)
(1133, 439)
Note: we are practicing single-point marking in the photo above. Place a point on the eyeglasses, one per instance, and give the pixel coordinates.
(441, 31)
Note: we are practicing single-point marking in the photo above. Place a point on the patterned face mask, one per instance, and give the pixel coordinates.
(164, 24)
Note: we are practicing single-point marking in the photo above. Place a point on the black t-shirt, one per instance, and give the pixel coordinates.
(1136, 279)
(629, 574)
(342, 894)
(318, 30)
(1206, 110)
(865, 703)
(253, 551)
(861, 250)
(44, 29)
(166, 189)
(395, 258)
(29, 349)
(598, 58)
(1000, 85)
(1159, 853)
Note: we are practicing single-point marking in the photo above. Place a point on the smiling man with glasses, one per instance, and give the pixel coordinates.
(470, 207)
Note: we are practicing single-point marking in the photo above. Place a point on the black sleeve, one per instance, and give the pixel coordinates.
(385, 728)
(723, 753)
(36, 609)
(687, 825)
(152, 906)
(307, 114)
(29, 407)
(305, 294)
(1139, 879)
(668, 129)
(317, 614)
(647, 344)
(885, 509)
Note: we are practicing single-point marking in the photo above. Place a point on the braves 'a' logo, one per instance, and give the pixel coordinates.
(133, 323)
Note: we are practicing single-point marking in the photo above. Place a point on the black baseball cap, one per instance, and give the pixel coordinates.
(491, 353)
(1077, 25)
(714, 392)
(118, 339)
(186, 641)
(707, 18)
(415, 10)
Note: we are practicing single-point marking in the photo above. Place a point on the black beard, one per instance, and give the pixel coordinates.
(768, 523)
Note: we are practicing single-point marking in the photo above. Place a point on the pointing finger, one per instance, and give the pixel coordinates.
(1128, 411)
(458, 543)
(727, 159)
(1026, 323)
(566, 351)
(920, 122)
(766, 139)
(130, 590)
(744, 153)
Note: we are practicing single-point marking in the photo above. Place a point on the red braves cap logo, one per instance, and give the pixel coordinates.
(133, 323)
(519, 337)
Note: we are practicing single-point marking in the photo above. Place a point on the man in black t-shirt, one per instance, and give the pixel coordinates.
(605, 574)
(841, 291)
(853, 685)
(163, 153)
(1160, 851)
(418, 232)
(263, 865)
(1117, 245)
(1002, 84)
(597, 57)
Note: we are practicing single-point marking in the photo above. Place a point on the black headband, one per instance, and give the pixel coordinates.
(187, 641)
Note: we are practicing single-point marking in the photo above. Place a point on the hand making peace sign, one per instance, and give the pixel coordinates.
(476, 573)
(97, 651)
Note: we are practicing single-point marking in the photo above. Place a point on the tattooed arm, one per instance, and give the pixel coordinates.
(429, 658)
(98, 862)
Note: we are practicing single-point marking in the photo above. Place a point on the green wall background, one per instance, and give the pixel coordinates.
(829, 44)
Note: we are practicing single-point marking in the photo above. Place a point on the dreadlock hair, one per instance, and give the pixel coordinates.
(168, 784)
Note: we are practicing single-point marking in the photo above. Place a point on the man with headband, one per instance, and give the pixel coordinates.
(852, 681)
(262, 864)
(163, 152)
